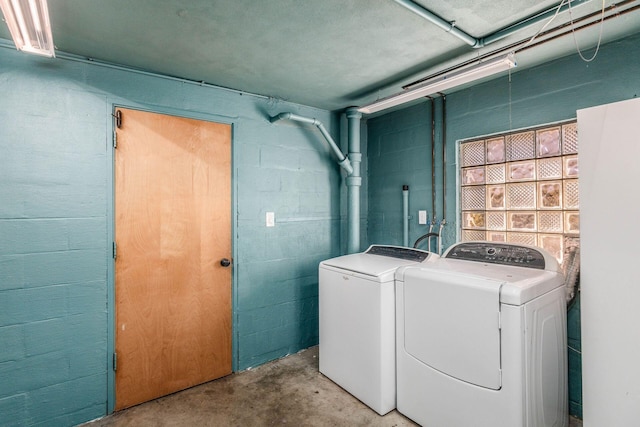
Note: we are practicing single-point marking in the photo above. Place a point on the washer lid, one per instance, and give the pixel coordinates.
(452, 324)
(379, 266)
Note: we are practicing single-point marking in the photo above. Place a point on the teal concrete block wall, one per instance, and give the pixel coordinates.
(291, 174)
(547, 93)
(399, 147)
(56, 227)
(53, 261)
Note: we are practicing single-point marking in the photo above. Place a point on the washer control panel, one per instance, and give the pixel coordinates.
(398, 252)
(498, 253)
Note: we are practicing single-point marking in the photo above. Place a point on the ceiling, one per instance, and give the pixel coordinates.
(330, 54)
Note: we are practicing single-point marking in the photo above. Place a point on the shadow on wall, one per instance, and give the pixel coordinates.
(575, 358)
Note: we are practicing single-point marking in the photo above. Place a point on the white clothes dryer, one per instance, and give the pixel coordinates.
(481, 338)
(357, 321)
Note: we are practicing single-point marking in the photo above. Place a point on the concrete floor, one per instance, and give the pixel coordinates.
(289, 391)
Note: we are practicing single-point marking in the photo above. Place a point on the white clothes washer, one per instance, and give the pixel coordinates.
(357, 321)
(481, 338)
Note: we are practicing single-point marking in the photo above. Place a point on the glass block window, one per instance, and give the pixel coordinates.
(522, 187)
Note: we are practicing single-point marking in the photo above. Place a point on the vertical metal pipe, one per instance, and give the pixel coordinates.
(405, 216)
(430, 232)
(354, 181)
(444, 157)
(444, 172)
(433, 158)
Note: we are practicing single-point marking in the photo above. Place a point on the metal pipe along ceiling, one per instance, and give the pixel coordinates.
(614, 10)
(449, 27)
(475, 42)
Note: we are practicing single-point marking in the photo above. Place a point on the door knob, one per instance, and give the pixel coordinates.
(225, 262)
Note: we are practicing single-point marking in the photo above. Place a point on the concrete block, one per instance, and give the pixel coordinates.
(11, 272)
(88, 360)
(45, 336)
(87, 330)
(76, 138)
(25, 236)
(275, 157)
(13, 343)
(87, 233)
(260, 179)
(88, 298)
(66, 398)
(75, 418)
(13, 410)
(72, 200)
(247, 155)
(31, 305)
(34, 373)
(81, 266)
(319, 160)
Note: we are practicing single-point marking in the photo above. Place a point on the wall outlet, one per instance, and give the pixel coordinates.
(422, 217)
(271, 219)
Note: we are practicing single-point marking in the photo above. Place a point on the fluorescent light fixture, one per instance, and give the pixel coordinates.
(443, 82)
(28, 22)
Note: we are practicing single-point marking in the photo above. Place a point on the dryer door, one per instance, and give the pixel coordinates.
(451, 323)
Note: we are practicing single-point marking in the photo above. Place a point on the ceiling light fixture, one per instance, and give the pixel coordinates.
(443, 82)
(28, 22)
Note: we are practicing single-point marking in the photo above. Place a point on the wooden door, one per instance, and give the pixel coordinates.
(173, 228)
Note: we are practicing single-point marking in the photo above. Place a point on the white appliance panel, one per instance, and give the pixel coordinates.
(357, 321)
(609, 210)
(452, 324)
(546, 360)
(520, 285)
(357, 338)
(424, 394)
(431, 305)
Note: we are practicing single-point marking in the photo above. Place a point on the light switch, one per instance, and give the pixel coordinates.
(271, 219)
(422, 217)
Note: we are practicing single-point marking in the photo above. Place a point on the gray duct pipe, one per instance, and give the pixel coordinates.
(343, 161)
(450, 27)
(351, 164)
(354, 181)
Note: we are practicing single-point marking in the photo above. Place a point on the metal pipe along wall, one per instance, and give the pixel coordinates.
(405, 216)
(354, 181)
(343, 160)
